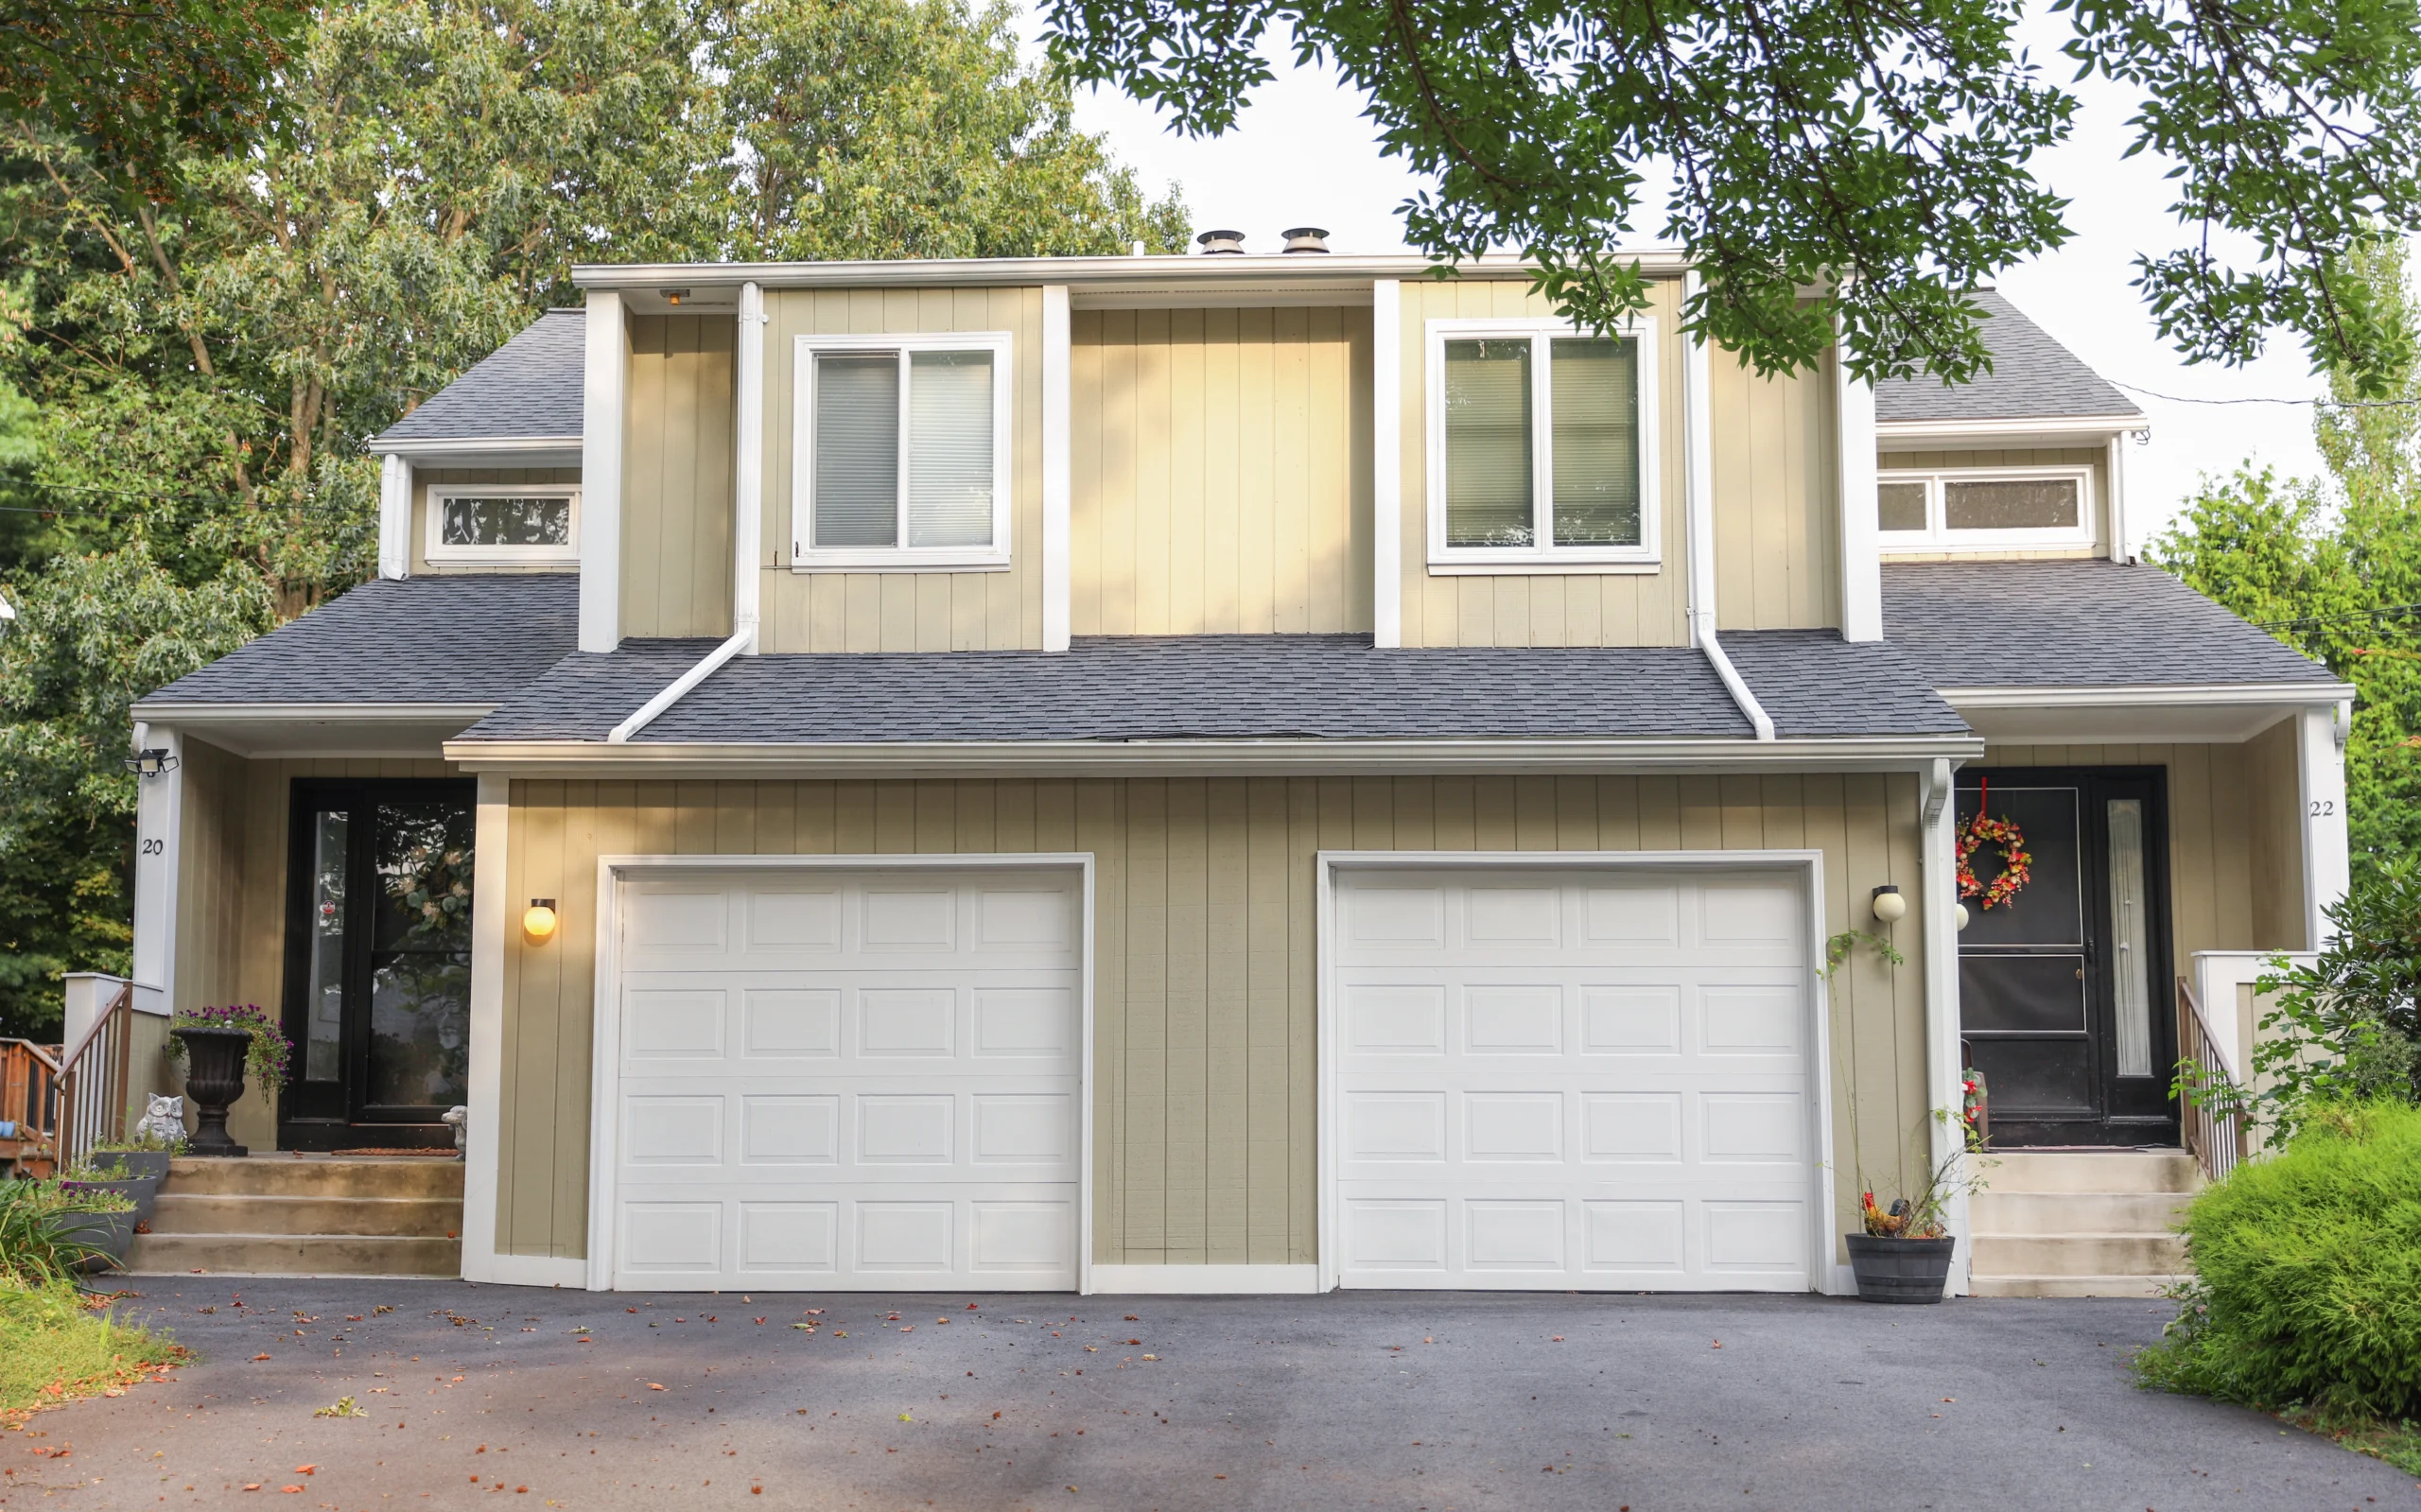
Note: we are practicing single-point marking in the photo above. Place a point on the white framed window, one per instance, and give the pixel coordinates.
(900, 459)
(1542, 448)
(524, 524)
(1983, 509)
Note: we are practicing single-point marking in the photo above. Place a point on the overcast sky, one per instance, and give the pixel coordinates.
(1301, 155)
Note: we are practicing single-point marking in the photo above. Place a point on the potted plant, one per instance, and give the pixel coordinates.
(89, 1229)
(144, 1153)
(1903, 1254)
(107, 1170)
(217, 1045)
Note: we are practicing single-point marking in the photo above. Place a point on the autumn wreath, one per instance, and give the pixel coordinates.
(1979, 829)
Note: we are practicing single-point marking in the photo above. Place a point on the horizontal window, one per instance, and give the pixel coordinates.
(536, 524)
(1542, 445)
(1977, 508)
(903, 452)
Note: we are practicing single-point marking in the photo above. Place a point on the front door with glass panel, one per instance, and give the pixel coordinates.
(377, 963)
(2064, 983)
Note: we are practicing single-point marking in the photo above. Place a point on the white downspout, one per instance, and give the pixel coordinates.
(1698, 410)
(747, 522)
(1938, 917)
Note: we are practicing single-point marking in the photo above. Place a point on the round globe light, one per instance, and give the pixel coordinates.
(538, 920)
(1888, 905)
(1958, 915)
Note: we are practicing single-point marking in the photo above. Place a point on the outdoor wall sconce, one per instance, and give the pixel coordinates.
(1958, 915)
(1888, 905)
(538, 920)
(155, 762)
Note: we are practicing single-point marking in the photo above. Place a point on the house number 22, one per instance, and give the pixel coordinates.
(2321, 807)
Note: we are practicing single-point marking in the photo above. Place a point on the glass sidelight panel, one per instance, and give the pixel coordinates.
(2130, 995)
(420, 964)
(323, 991)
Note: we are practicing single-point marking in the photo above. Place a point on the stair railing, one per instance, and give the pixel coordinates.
(92, 1080)
(2212, 1126)
(29, 1101)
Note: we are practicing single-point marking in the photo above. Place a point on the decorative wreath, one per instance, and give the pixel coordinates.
(1973, 833)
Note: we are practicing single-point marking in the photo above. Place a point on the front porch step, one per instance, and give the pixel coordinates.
(2091, 1171)
(2081, 1223)
(315, 1215)
(2083, 1254)
(2071, 1285)
(2075, 1212)
(294, 1255)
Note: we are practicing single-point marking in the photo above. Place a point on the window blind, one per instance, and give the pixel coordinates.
(1594, 404)
(949, 448)
(857, 450)
(1487, 444)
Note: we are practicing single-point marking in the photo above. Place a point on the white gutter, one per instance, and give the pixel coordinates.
(1698, 403)
(946, 272)
(747, 524)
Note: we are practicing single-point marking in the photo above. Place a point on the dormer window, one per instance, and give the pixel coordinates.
(1542, 448)
(518, 524)
(1981, 509)
(902, 452)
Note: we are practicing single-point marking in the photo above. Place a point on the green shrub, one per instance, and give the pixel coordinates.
(37, 1229)
(2307, 1274)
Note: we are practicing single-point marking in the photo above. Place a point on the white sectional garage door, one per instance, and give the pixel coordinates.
(1585, 1079)
(839, 1080)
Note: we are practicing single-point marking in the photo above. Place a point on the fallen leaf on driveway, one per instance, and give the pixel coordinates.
(1718, 1343)
(306, 1469)
(1558, 1339)
(260, 1357)
(292, 1490)
(653, 1386)
(252, 1486)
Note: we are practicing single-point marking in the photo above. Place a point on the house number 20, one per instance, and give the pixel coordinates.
(158, 847)
(2321, 807)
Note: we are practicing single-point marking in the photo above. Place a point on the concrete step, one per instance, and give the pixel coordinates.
(2078, 1254)
(293, 1255)
(287, 1175)
(2068, 1212)
(403, 1217)
(2075, 1171)
(2071, 1285)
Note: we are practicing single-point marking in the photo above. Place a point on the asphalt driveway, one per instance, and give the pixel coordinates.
(1418, 1401)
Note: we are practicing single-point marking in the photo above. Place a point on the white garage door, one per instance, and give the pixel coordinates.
(848, 1080)
(1575, 1080)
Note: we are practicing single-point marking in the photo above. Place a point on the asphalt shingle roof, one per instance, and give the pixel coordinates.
(413, 640)
(1224, 687)
(2090, 623)
(2034, 377)
(530, 386)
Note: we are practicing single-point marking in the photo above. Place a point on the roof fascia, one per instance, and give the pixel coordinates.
(427, 449)
(1093, 273)
(2160, 695)
(197, 712)
(1273, 758)
(2014, 430)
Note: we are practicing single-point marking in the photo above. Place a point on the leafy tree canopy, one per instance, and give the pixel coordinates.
(1875, 153)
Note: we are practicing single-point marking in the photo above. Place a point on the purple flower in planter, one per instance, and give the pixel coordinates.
(271, 1050)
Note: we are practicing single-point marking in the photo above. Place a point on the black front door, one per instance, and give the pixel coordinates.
(377, 963)
(2062, 986)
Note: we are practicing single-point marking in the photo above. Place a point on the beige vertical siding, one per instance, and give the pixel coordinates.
(2093, 456)
(1205, 1007)
(1221, 472)
(904, 611)
(2224, 834)
(677, 462)
(231, 889)
(421, 565)
(1777, 535)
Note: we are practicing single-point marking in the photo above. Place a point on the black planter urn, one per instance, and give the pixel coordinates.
(215, 1078)
(1900, 1270)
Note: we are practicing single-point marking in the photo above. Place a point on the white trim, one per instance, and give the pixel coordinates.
(314, 713)
(808, 557)
(604, 372)
(492, 915)
(1640, 330)
(605, 1051)
(2320, 792)
(2116, 467)
(1937, 919)
(395, 516)
(1105, 273)
(1809, 863)
(1057, 488)
(940, 759)
(1259, 295)
(431, 450)
(1698, 524)
(2142, 694)
(1939, 537)
(1736, 685)
(158, 820)
(1862, 557)
(435, 548)
(2008, 431)
(748, 466)
(1204, 1280)
(1387, 462)
(673, 692)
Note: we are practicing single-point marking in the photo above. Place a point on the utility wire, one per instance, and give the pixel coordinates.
(2333, 404)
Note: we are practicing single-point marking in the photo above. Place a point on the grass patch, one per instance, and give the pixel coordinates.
(53, 1349)
(2399, 1444)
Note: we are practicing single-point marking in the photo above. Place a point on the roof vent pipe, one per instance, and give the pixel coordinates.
(1305, 239)
(1222, 243)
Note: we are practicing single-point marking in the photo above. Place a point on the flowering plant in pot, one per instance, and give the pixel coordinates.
(108, 1171)
(217, 1045)
(1904, 1253)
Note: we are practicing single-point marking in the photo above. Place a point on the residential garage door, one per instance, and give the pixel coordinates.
(1583, 1079)
(860, 1078)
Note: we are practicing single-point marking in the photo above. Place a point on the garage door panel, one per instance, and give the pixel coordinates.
(862, 1080)
(1564, 1080)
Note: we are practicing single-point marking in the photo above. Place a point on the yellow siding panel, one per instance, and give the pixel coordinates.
(677, 478)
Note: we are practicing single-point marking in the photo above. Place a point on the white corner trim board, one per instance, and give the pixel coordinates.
(1057, 473)
(1861, 551)
(748, 467)
(1204, 1280)
(395, 516)
(492, 914)
(604, 371)
(1386, 464)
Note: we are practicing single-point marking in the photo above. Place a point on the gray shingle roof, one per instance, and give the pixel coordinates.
(531, 386)
(1221, 687)
(2084, 623)
(415, 640)
(1812, 683)
(2034, 377)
